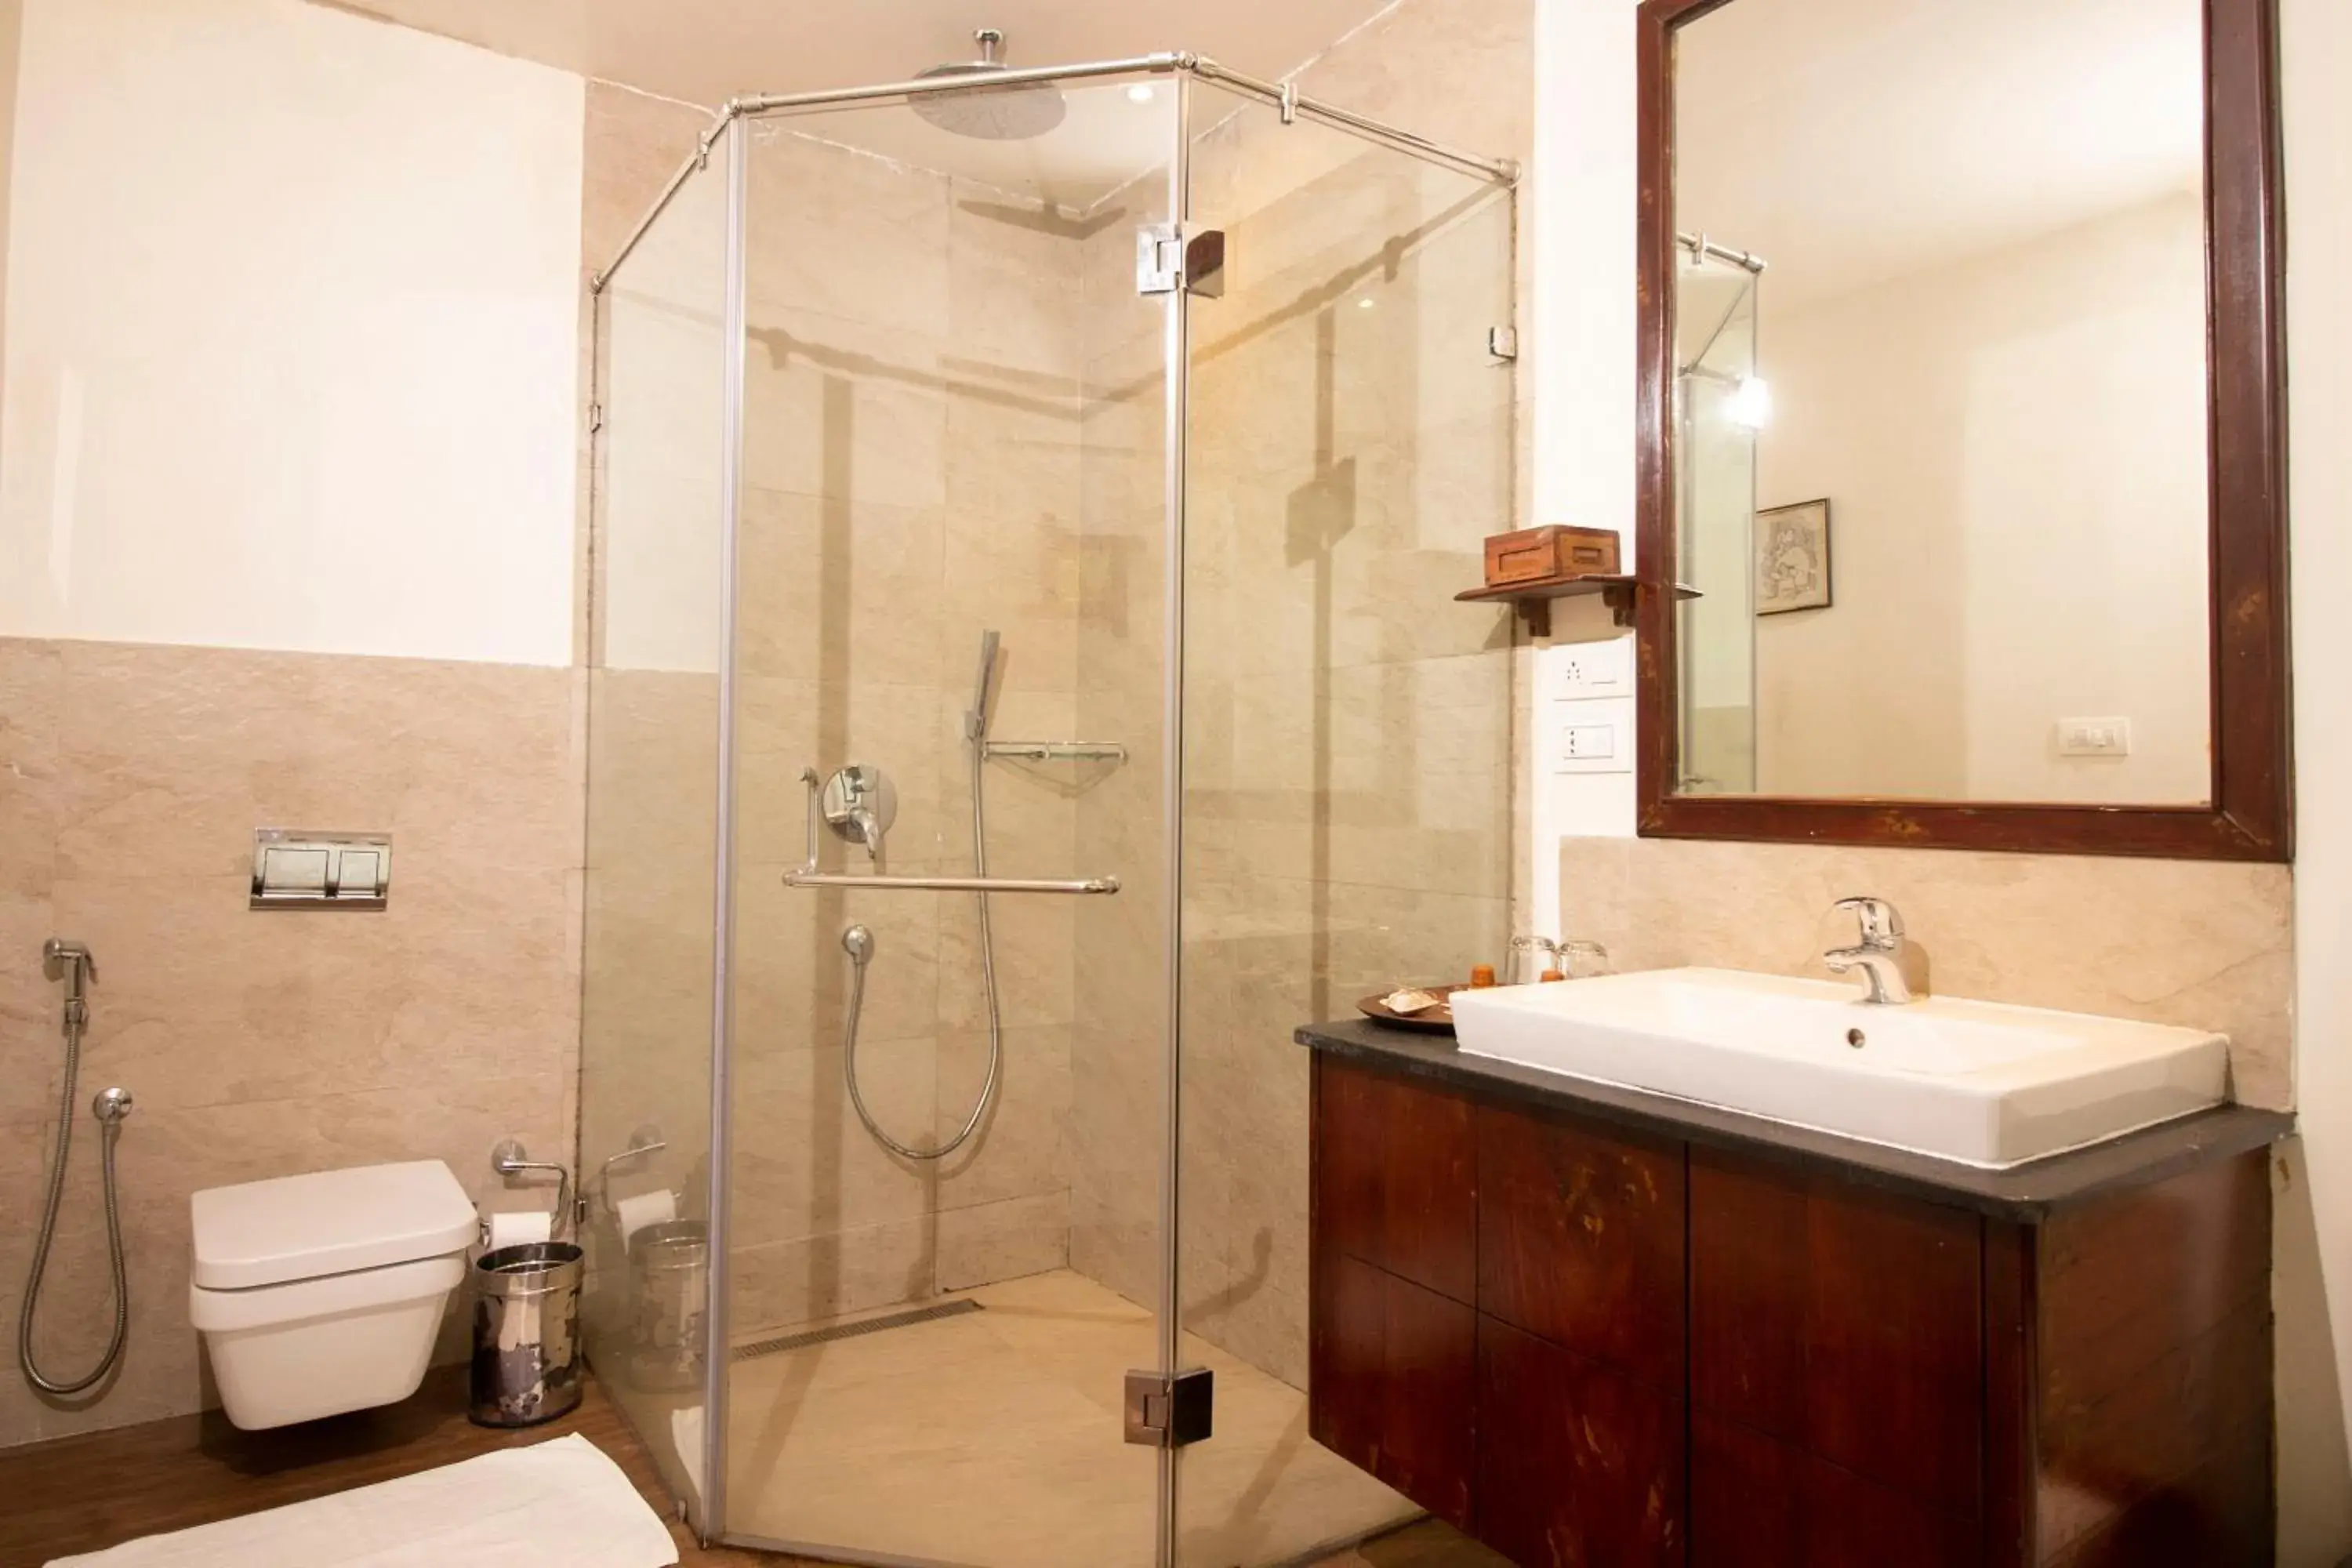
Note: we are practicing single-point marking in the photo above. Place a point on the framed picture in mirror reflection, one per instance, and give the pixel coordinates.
(1793, 558)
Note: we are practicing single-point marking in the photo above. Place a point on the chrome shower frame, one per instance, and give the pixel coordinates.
(724, 140)
(1285, 96)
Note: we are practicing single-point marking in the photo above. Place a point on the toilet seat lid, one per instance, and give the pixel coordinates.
(327, 1222)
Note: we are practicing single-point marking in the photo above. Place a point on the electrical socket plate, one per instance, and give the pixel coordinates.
(1583, 671)
(2094, 737)
(1591, 746)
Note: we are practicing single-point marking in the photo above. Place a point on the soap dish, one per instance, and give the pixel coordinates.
(1437, 1020)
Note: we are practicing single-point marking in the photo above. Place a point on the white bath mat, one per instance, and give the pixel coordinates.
(561, 1504)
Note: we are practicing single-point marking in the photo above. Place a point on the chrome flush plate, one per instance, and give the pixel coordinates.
(301, 869)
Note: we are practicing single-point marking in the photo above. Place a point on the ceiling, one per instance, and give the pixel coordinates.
(707, 51)
(1851, 141)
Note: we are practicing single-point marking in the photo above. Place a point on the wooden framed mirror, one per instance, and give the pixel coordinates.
(1961, 451)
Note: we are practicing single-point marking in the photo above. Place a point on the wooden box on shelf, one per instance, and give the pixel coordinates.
(1533, 555)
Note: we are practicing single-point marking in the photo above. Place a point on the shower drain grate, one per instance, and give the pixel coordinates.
(851, 1331)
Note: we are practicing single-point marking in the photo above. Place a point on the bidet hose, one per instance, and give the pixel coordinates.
(109, 1128)
(860, 944)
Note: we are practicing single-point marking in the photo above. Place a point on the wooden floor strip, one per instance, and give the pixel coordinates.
(85, 1494)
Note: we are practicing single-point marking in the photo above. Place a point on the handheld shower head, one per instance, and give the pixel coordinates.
(975, 718)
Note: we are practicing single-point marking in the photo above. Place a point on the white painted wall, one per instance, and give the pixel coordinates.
(660, 578)
(2013, 446)
(1582, 195)
(2312, 1290)
(1583, 188)
(291, 341)
(11, 22)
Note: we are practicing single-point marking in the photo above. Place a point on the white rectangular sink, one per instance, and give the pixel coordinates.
(1981, 1082)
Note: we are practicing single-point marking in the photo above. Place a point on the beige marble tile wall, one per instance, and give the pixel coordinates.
(260, 1045)
(2204, 943)
(1348, 801)
(912, 479)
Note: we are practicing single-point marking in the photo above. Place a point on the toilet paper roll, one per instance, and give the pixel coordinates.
(515, 1226)
(637, 1212)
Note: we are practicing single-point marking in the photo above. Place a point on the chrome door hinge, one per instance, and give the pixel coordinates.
(1503, 342)
(596, 417)
(1169, 257)
(1170, 1412)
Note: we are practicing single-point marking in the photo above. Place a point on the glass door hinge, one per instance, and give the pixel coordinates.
(596, 417)
(1169, 257)
(1172, 1410)
(1503, 342)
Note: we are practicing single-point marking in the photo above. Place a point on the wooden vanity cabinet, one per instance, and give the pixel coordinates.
(1396, 1357)
(1590, 1345)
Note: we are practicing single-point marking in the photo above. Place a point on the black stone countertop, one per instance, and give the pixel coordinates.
(2024, 1194)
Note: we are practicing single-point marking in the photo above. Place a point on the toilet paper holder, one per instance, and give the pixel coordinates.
(646, 1139)
(511, 1159)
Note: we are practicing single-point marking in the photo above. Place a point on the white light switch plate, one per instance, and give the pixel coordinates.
(1591, 746)
(2094, 737)
(1583, 671)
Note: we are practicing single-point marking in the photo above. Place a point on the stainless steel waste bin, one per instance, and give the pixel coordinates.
(526, 1334)
(669, 1265)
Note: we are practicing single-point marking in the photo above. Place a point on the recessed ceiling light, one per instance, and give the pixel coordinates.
(1365, 303)
(1141, 92)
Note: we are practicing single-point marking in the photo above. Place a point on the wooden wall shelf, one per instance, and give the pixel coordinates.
(1533, 599)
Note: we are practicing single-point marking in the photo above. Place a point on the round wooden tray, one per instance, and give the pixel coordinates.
(1435, 1021)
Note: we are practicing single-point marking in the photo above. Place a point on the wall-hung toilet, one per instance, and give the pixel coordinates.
(322, 1293)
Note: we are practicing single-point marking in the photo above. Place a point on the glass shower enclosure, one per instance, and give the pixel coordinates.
(1025, 685)
(1721, 406)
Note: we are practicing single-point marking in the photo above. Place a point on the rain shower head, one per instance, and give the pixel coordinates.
(989, 113)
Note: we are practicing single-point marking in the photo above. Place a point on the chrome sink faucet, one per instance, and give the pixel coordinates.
(1883, 955)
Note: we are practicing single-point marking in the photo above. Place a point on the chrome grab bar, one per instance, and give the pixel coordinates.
(807, 876)
(801, 877)
(1053, 751)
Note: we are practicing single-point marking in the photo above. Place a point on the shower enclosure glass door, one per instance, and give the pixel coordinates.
(945, 348)
(950, 422)
(656, 651)
(1346, 821)
(1719, 405)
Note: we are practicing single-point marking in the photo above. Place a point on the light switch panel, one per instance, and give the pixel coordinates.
(297, 869)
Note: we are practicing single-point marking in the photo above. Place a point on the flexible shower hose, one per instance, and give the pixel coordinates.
(109, 1128)
(860, 944)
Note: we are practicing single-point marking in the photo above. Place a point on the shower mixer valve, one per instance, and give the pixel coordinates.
(859, 803)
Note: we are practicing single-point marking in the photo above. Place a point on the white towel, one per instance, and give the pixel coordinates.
(560, 1504)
